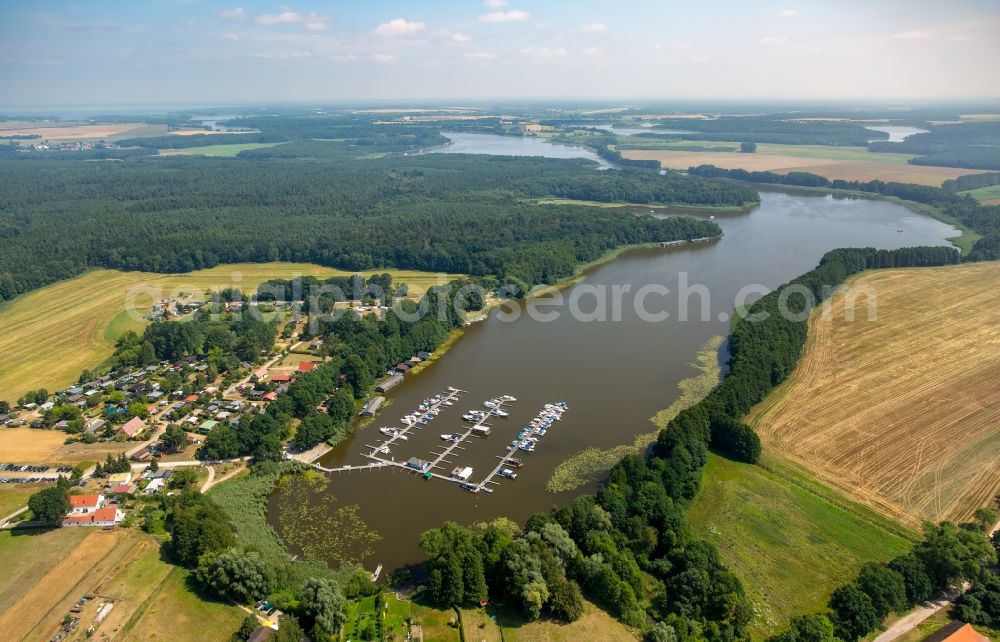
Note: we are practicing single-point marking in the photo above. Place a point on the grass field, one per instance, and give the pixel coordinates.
(215, 150)
(14, 496)
(988, 195)
(37, 446)
(901, 413)
(175, 612)
(48, 336)
(790, 540)
(847, 163)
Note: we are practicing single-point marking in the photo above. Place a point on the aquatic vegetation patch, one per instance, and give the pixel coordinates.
(591, 464)
(311, 520)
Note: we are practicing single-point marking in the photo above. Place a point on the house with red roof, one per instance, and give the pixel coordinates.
(957, 631)
(109, 516)
(282, 377)
(307, 366)
(80, 504)
(190, 398)
(133, 427)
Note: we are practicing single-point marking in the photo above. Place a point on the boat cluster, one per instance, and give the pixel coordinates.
(428, 409)
(527, 439)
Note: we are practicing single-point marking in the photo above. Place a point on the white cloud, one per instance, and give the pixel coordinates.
(346, 58)
(787, 13)
(495, 4)
(291, 55)
(230, 36)
(593, 52)
(594, 27)
(316, 22)
(543, 25)
(545, 53)
(398, 27)
(461, 37)
(285, 17)
(773, 40)
(910, 35)
(384, 58)
(232, 14)
(514, 15)
(673, 46)
(480, 56)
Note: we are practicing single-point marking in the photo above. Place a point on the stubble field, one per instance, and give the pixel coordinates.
(900, 413)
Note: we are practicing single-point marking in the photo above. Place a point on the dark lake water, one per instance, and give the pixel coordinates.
(614, 374)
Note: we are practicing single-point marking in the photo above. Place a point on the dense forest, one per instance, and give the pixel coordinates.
(454, 213)
(983, 219)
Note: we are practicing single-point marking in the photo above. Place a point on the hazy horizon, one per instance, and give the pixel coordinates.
(206, 53)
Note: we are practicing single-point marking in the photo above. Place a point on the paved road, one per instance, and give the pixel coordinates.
(6, 520)
(910, 621)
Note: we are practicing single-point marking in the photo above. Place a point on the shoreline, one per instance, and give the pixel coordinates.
(963, 241)
(661, 207)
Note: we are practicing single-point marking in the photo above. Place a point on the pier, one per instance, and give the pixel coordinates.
(442, 456)
(436, 468)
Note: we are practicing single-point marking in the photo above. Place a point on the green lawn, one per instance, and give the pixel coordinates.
(215, 150)
(791, 540)
(991, 193)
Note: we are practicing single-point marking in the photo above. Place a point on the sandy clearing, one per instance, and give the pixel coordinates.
(901, 413)
(833, 169)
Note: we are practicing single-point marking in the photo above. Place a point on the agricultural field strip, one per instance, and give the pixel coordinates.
(908, 427)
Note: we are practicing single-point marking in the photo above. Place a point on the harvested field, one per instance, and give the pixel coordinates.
(27, 558)
(50, 335)
(900, 413)
(47, 594)
(79, 132)
(860, 170)
(29, 445)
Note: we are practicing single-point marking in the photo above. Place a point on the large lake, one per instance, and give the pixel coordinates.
(470, 143)
(613, 374)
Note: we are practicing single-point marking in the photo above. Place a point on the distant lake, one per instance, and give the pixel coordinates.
(897, 133)
(496, 145)
(635, 131)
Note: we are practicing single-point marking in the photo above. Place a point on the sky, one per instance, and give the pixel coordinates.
(168, 52)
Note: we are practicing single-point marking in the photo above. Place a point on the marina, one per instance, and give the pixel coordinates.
(442, 459)
(526, 441)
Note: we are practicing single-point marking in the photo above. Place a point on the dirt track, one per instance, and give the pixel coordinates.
(903, 412)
